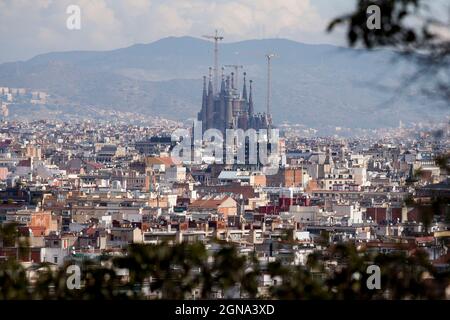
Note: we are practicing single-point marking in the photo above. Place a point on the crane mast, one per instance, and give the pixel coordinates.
(269, 57)
(216, 38)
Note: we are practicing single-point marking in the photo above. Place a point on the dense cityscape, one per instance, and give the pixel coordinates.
(282, 176)
(80, 191)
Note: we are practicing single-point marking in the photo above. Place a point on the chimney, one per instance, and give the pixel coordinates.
(404, 214)
(253, 236)
(179, 236)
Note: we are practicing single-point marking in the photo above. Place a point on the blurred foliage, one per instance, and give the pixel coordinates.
(413, 29)
(394, 31)
(443, 162)
(177, 271)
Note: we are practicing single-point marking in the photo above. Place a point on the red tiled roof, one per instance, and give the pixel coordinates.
(207, 203)
(90, 231)
(95, 165)
(37, 231)
(424, 239)
(24, 163)
(391, 245)
(160, 160)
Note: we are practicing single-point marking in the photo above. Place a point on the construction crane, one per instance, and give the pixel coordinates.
(216, 38)
(236, 73)
(269, 57)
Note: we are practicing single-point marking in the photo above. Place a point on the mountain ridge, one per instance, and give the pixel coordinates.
(164, 78)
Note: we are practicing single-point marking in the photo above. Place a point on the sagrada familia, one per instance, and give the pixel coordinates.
(228, 108)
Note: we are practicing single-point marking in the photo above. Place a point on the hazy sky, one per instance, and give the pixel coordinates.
(31, 27)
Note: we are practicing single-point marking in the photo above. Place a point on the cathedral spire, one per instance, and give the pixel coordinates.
(210, 88)
(250, 100)
(209, 114)
(204, 102)
(244, 90)
(204, 86)
(204, 94)
(222, 84)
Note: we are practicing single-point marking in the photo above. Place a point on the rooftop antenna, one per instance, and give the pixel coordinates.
(216, 38)
(269, 57)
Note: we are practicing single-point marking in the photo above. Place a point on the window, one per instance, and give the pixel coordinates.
(55, 259)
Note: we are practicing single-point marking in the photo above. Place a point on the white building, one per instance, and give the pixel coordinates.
(175, 174)
(352, 212)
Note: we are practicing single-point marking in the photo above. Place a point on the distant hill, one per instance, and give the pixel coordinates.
(317, 85)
